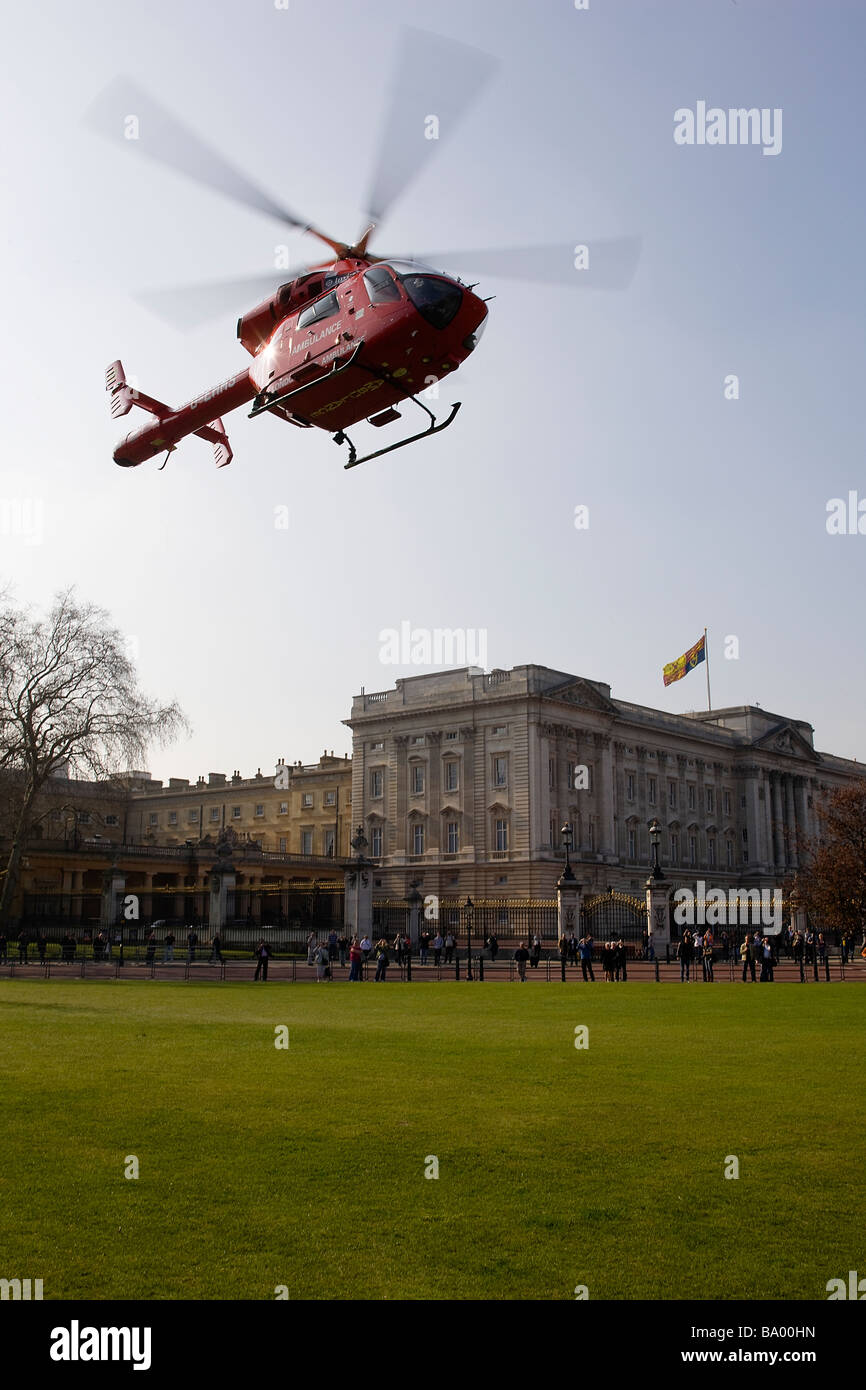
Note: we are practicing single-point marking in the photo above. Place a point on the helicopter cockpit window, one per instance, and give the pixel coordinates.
(323, 308)
(436, 300)
(380, 287)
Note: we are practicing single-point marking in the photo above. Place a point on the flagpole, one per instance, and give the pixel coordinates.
(707, 661)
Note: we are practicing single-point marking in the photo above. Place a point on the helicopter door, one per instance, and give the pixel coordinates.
(317, 330)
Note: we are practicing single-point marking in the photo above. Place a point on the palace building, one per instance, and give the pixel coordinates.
(463, 781)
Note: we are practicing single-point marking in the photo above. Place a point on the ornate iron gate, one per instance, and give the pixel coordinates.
(614, 917)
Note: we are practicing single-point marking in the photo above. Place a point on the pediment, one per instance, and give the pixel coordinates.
(581, 693)
(784, 739)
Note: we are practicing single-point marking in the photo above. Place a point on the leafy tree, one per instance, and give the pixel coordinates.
(69, 703)
(832, 884)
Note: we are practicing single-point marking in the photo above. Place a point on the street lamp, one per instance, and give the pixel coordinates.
(469, 908)
(568, 840)
(655, 836)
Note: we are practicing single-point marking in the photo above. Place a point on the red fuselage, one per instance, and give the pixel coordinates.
(403, 327)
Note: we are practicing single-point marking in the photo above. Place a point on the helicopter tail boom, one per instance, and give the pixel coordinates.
(198, 417)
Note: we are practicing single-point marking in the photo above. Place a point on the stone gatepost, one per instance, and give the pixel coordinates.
(113, 894)
(222, 882)
(358, 902)
(568, 894)
(415, 903)
(658, 913)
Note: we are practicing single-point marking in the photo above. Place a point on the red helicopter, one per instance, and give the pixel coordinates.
(355, 337)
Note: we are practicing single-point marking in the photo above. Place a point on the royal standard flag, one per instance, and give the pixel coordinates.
(675, 670)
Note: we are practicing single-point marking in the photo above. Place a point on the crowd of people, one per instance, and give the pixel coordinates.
(697, 947)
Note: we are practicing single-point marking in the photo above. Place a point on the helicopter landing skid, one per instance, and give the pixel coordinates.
(432, 428)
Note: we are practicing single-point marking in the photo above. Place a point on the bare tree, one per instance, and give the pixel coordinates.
(69, 702)
(832, 884)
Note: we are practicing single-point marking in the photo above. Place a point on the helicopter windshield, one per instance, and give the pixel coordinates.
(436, 299)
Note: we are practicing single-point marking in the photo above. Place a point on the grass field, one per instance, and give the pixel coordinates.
(305, 1167)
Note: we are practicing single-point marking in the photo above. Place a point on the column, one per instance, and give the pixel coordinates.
(606, 843)
(778, 821)
(793, 858)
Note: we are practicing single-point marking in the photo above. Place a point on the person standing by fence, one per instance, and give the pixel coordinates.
(521, 956)
(22, 947)
(191, 943)
(449, 947)
(685, 951)
(707, 960)
(263, 955)
(584, 947)
(438, 946)
(356, 960)
(150, 947)
(535, 953)
(383, 960)
(747, 956)
(216, 948)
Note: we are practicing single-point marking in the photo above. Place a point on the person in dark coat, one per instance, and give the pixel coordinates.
(622, 959)
(22, 947)
(521, 956)
(191, 942)
(216, 948)
(150, 947)
(41, 944)
(685, 953)
(263, 955)
(535, 953)
(584, 947)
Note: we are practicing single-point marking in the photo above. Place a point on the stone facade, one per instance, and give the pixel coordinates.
(464, 779)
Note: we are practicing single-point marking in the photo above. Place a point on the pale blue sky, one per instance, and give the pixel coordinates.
(703, 512)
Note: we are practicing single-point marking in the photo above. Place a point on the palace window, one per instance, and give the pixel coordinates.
(376, 782)
(154, 819)
(284, 808)
(172, 817)
(282, 846)
(376, 841)
(500, 772)
(330, 798)
(306, 800)
(693, 849)
(632, 844)
(729, 853)
(727, 803)
(501, 835)
(417, 780)
(629, 787)
(417, 838)
(214, 812)
(260, 808)
(452, 840)
(675, 849)
(306, 842)
(652, 790)
(328, 843)
(451, 734)
(551, 772)
(111, 820)
(711, 852)
(193, 815)
(691, 796)
(672, 795)
(451, 776)
(711, 801)
(236, 813)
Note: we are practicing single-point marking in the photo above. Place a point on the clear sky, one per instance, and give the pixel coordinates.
(702, 511)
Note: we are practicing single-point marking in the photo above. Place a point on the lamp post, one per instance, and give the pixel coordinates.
(469, 908)
(568, 840)
(655, 836)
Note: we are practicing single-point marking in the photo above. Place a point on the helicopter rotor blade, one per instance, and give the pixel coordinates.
(435, 79)
(608, 263)
(189, 306)
(131, 118)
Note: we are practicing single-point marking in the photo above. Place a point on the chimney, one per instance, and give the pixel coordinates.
(216, 779)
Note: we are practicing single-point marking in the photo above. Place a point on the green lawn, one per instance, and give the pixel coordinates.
(305, 1167)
